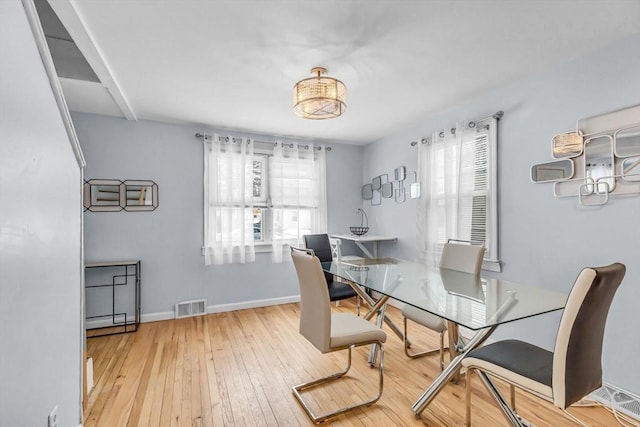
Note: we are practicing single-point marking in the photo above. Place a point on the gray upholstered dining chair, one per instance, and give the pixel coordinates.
(321, 246)
(457, 256)
(573, 369)
(330, 332)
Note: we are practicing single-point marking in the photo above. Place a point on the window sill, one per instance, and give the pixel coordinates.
(259, 248)
(262, 248)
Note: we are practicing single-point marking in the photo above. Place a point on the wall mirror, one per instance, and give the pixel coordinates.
(598, 163)
(400, 173)
(376, 199)
(102, 195)
(627, 142)
(568, 144)
(376, 183)
(140, 195)
(367, 192)
(414, 190)
(112, 195)
(387, 190)
(631, 169)
(605, 151)
(552, 171)
(609, 121)
(414, 187)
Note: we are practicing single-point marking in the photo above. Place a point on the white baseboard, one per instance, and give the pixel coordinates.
(252, 304)
(156, 317)
(221, 308)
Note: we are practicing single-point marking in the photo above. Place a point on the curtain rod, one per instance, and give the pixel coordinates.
(234, 140)
(498, 115)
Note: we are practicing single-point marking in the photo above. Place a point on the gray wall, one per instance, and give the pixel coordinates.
(40, 240)
(168, 240)
(544, 240)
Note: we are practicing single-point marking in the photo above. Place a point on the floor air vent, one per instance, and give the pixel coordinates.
(196, 307)
(620, 400)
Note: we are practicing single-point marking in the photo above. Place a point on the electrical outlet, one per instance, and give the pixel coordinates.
(53, 417)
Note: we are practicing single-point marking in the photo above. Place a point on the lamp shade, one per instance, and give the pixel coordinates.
(319, 97)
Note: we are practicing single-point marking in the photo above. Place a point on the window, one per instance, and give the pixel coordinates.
(458, 172)
(260, 198)
(298, 197)
(285, 198)
(228, 201)
(260, 187)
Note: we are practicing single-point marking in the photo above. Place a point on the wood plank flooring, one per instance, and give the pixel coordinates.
(237, 369)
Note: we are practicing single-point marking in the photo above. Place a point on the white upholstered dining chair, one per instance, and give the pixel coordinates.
(457, 256)
(330, 332)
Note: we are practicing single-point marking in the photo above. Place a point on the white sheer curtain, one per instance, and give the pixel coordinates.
(228, 207)
(297, 186)
(453, 175)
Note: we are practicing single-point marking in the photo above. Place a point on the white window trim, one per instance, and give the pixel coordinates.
(493, 264)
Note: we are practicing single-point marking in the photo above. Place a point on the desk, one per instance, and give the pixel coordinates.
(367, 238)
(477, 303)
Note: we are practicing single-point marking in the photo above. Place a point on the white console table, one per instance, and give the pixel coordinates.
(360, 241)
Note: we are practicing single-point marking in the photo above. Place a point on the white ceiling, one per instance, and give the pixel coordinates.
(232, 64)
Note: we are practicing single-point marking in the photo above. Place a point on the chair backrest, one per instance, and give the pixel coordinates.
(462, 257)
(320, 245)
(315, 308)
(577, 357)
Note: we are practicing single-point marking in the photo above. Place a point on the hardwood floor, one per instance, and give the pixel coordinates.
(237, 369)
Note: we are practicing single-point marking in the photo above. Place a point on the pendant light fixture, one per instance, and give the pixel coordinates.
(319, 97)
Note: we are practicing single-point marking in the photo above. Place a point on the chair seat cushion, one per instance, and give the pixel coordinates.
(339, 291)
(518, 362)
(424, 318)
(348, 329)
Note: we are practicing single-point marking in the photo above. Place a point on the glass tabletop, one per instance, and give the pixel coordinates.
(470, 301)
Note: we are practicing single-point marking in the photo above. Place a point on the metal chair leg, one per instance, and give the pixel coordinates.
(507, 411)
(407, 345)
(320, 418)
(442, 350)
(467, 399)
(512, 392)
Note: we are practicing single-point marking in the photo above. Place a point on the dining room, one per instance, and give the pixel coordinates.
(540, 239)
(198, 180)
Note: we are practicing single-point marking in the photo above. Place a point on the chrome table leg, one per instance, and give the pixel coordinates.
(450, 371)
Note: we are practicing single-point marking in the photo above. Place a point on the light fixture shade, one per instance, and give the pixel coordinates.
(319, 97)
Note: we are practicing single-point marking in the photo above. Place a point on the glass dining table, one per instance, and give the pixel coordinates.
(480, 304)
